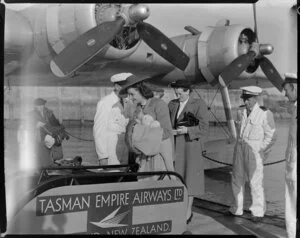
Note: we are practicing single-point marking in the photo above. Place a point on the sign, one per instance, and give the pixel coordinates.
(153, 207)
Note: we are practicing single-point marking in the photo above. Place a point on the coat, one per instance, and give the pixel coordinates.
(104, 106)
(116, 125)
(159, 111)
(291, 175)
(40, 153)
(189, 147)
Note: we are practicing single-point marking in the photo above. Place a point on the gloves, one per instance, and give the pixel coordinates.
(49, 141)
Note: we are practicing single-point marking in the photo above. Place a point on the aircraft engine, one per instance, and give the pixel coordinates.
(18, 36)
(218, 46)
(66, 22)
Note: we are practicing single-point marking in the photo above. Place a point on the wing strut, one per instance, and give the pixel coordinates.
(227, 109)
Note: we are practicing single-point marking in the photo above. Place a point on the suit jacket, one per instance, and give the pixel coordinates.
(199, 109)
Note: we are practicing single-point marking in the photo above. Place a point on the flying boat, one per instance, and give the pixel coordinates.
(83, 45)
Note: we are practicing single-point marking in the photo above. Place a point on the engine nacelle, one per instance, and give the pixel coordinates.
(66, 22)
(218, 46)
(18, 36)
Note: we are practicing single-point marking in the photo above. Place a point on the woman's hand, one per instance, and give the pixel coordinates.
(182, 130)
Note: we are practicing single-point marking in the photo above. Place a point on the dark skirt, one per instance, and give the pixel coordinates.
(189, 164)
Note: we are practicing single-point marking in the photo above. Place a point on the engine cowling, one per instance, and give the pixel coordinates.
(218, 46)
(18, 36)
(66, 22)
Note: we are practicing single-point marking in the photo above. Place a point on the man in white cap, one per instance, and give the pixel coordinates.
(255, 136)
(290, 88)
(102, 129)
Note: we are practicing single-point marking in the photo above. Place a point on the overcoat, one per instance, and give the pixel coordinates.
(159, 111)
(41, 154)
(291, 175)
(189, 147)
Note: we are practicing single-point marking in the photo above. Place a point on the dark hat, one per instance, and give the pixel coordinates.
(130, 81)
(181, 83)
(289, 78)
(39, 101)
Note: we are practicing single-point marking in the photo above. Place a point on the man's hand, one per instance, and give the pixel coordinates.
(182, 130)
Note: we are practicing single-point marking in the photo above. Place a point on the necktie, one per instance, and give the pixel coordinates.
(248, 112)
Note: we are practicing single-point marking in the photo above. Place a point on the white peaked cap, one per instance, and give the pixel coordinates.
(251, 90)
(290, 75)
(119, 77)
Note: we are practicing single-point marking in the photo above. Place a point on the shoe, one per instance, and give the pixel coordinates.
(256, 219)
(190, 219)
(230, 214)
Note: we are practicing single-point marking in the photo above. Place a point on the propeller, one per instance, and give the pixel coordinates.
(162, 45)
(255, 53)
(92, 42)
(84, 48)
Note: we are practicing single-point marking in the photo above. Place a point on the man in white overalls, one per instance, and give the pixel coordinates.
(255, 136)
(290, 88)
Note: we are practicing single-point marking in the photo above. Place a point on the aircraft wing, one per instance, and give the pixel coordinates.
(48, 45)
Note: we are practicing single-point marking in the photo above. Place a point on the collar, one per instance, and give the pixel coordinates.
(147, 103)
(255, 107)
(116, 97)
(184, 101)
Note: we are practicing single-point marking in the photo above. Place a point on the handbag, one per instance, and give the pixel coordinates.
(147, 139)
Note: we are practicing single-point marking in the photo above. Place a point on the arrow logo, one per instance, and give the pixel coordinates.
(112, 220)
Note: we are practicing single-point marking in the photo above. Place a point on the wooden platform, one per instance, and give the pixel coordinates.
(209, 219)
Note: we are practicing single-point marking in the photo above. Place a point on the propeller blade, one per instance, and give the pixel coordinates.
(85, 47)
(237, 66)
(271, 73)
(255, 21)
(162, 45)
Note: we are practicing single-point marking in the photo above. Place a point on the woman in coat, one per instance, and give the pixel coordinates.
(148, 105)
(189, 117)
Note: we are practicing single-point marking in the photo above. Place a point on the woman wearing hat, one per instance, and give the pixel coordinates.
(189, 117)
(156, 109)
